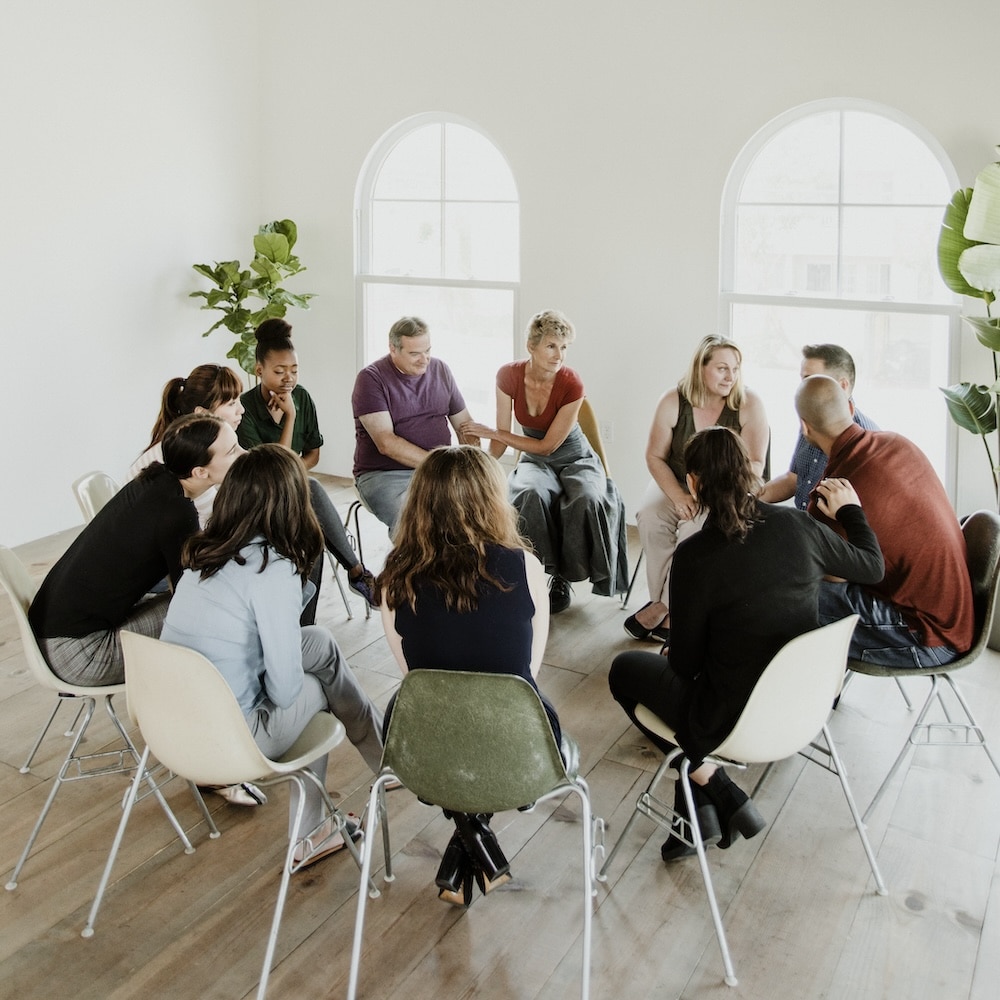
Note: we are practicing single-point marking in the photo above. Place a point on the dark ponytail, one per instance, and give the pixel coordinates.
(727, 484)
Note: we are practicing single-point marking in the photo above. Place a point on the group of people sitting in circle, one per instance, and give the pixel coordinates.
(222, 507)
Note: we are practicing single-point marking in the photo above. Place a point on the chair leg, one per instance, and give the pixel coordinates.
(706, 875)
(367, 850)
(89, 705)
(143, 774)
(26, 766)
(641, 808)
(133, 789)
(286, 873)
(213, 830)
(631, 583)
(579, 786)
(340, 586)
(355, 536)
(855, 814)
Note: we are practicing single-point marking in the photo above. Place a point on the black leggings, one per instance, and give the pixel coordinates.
(638, 678)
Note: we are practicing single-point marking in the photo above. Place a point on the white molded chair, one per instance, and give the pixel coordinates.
(474, 743)
(193, 724)
(982, 546)
(76, 766)
(788, 707)
(93, 491)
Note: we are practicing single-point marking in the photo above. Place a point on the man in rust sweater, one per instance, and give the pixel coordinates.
(921, 614)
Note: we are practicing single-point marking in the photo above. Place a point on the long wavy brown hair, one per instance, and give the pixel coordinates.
(727, 484)
(456, 506)
(265, 495)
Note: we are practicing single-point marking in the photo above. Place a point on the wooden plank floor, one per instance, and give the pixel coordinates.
(797, 901)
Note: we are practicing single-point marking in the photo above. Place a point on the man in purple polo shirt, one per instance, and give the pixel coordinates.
(402, 404)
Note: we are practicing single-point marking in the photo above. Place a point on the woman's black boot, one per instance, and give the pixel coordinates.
(673, 848)
(455, 874)
(737, 812)
(481, 845)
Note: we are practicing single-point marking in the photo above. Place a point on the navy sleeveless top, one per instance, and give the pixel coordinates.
(495, 638)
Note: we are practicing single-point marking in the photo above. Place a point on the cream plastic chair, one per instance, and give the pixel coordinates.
(192, 723)
(788, 706)
(474, 743)
(76, 766)
(982, 545)
(93, 491)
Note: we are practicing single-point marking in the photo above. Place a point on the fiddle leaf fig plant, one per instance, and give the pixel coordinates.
(235, 287)
(969, 262)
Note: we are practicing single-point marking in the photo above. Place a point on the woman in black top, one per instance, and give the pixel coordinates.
(460, 591)
(740, 589)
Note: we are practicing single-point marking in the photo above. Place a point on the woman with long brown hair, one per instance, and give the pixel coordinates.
(462, 591)
(238, 603)
(741, 588)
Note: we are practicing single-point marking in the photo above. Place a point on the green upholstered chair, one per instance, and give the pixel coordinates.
(474, 743)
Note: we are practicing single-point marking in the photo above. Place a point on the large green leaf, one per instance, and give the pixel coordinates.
(286, 227)
(982, 224)
(266, 270)
(980, 266)
(972, 407)
(987, 330)
(952, 243)
(273, 246)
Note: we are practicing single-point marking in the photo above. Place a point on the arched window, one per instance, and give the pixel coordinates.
(830, 222)
(438, 237)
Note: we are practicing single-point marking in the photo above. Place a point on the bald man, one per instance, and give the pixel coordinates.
(921, 614)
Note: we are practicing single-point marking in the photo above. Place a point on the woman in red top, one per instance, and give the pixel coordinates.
(569, 508)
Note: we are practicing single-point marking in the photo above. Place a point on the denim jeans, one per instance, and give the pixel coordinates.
(882, 635)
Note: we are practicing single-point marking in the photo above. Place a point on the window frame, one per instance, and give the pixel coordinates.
(729, 298)
(363, 221)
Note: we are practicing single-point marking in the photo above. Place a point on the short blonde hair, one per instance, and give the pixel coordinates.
(692, 385)
(550, 323)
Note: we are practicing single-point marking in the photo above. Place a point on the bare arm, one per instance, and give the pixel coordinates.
(310, 458)
(282, 402)
(661, 436)
(780, 488)
(558, 431)
(393, 638)
(538, 589)
(460, 421)
(754, 430)
(381, 430)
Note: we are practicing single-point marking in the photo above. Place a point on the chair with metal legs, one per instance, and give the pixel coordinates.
(193, 724)
(788, 707)
(76, 766)
(982, 547)
(92, 492)
(475, 743)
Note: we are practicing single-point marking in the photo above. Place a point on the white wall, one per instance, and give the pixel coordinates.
(135, 158)
(129, 135)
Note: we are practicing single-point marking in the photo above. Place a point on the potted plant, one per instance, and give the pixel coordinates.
(969, 262)
(273, 262)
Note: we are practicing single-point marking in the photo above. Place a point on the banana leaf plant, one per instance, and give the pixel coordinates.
(969, 262)
(272, 263)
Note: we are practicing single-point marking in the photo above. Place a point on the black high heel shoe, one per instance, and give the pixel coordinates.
(455, 874)
(481, 845)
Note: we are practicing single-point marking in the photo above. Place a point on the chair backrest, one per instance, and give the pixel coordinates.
(592, 432)
(93, 491)
(22, 589)
(792, 697)
(472, 742)
(188, 714)
(982, 553)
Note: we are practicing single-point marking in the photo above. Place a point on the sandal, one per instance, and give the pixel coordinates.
(322, 842)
